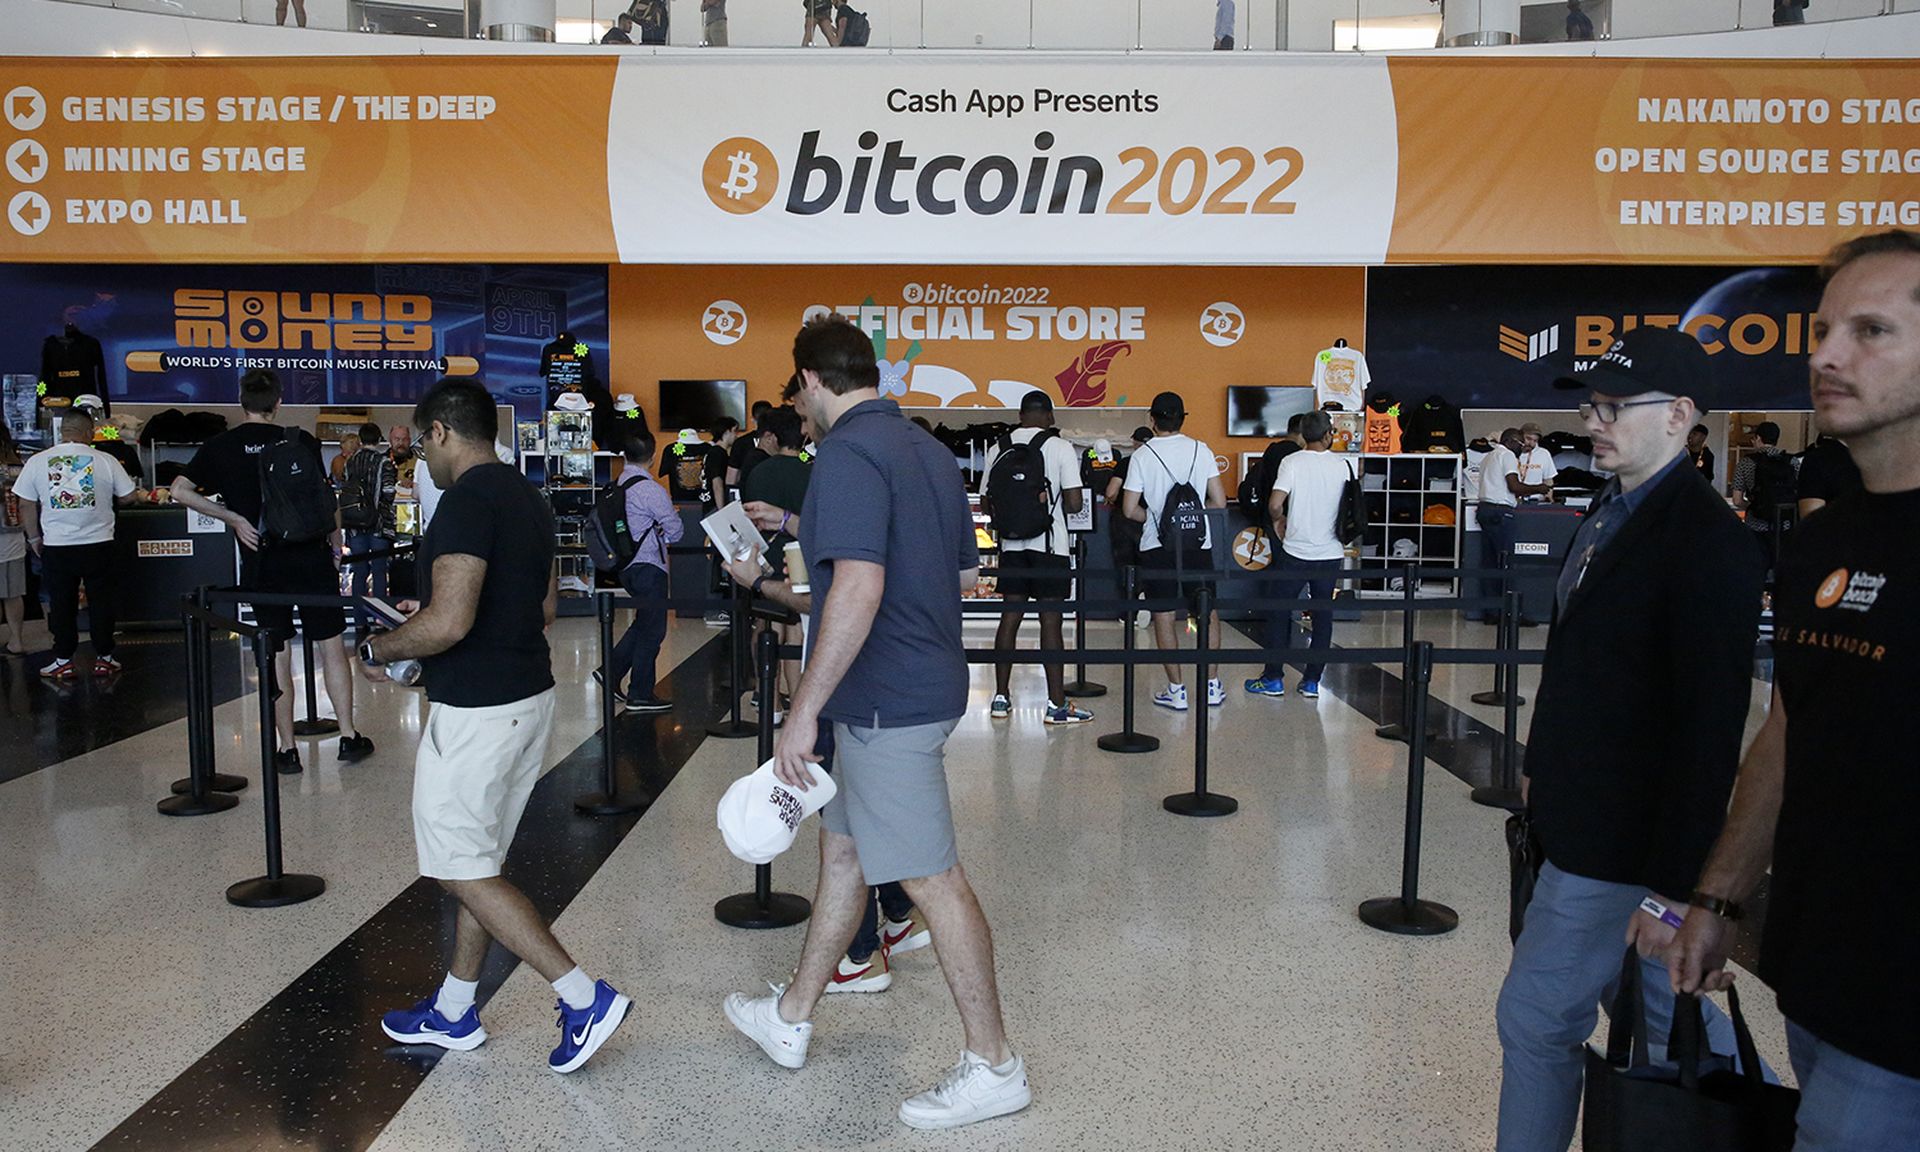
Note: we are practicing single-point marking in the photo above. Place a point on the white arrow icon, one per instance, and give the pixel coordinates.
(26, 109)
(29, 213)
(27, 160)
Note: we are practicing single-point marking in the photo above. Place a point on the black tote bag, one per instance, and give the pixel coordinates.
(1698, 1103)
(1523, 858)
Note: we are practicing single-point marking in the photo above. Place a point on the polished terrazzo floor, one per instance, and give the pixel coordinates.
(1173, 983)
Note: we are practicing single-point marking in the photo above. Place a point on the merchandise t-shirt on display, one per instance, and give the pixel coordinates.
(229, 465)
(71, 367)
(1313, 482)
(1536, 467)
(1847, 642)
(75, 486)
(689, 470)
(496, 514)
(1062, 462)
(1380, 436)
(1498, 464)
(1340, 375)
(1157, 467)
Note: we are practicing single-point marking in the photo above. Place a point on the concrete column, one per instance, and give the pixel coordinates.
(1474, 23)
(517, 19)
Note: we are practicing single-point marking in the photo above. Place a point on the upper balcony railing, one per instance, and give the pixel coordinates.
(1098, 25)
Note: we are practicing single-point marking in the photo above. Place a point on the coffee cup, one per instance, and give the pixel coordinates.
(796, 568)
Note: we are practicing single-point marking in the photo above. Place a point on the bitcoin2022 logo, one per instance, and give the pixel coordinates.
(1222, 324)
(741, 176)
(724, 322)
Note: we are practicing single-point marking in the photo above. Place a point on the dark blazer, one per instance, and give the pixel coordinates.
(1643, 698)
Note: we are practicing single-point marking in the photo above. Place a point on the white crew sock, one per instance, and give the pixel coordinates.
(456, 996)
(576, 988)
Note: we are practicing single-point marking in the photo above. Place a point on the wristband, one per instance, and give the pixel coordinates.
(1661, 912)
(757, 581)
(1718, 905)
(784, 517)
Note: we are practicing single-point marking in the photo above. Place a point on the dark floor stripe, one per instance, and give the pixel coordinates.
(310, 1069)
(1467, 748)
(44, 722)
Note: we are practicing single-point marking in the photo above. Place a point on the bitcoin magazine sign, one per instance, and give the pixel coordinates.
(869, 158)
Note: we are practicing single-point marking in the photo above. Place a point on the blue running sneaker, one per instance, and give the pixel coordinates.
(423, 1024)
(582, 1032)
(1310, 689)
(1274, 687)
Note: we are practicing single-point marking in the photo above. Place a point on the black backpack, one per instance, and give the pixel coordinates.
(1352, 518)
(360, 494)
(858, 30)
(1018, 499)
(610, 540)
(1183, 518)
(1774, 483)
(297, 505)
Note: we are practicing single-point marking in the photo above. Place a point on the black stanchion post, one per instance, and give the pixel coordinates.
(315, 724)
(1080, 686)
(1505, 677)
(1407, 914)
(199, 797)
(1408, 615)
(1127, 740)
(276, 889)
(1504, 790)
(1201, 802)
(763, 907)
(734, 728)
(608, 801)
(200, 641)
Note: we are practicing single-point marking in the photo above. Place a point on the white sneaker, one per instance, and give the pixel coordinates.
(1173, 696)
(1216, 693)
(758, 1019)
(870, 975)
(972, 1092)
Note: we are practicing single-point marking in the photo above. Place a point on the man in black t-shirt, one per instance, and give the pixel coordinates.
(1828, 791)
(488, 595)
(747, 453)
(229, 465)
(1827, 473)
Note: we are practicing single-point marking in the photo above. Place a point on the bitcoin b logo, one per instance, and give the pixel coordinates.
(1222, 324)
(741, 176)
(725, 322)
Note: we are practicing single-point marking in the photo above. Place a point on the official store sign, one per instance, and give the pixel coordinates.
(874, 158)
(928, 159)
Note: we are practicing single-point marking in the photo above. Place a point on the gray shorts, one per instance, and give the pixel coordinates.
(13, 578)
(893, 799)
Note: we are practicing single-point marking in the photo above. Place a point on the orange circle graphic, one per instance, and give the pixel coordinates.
(741, 175)
(1832, 588)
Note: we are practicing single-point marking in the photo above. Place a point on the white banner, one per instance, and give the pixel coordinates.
(1046, 158)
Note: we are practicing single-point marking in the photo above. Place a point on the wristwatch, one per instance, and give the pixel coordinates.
(1720, 906)
(366, 652)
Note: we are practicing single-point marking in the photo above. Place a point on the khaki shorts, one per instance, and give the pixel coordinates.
(471, 779)
(717, 34)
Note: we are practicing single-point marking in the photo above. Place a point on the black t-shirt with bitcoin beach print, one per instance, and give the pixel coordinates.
(1840, 947)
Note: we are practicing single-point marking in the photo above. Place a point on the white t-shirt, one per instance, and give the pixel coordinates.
(1160, 464)
(1313, 482)
(1536, 467)
(75, 486)
(1340, 375)
(1063, 474)
(1494, 470)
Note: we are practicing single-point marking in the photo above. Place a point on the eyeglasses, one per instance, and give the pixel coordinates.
(1609, 410)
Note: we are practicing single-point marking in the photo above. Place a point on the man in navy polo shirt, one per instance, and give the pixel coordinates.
(889, 544)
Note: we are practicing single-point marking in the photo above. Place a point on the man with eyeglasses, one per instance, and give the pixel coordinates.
(1652, 649)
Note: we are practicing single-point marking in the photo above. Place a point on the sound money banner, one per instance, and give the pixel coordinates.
(873, 158)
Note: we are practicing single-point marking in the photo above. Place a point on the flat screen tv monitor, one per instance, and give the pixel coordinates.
(1264, 412)
(698, 403)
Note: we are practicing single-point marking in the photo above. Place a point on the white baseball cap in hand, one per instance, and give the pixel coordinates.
(759, 816)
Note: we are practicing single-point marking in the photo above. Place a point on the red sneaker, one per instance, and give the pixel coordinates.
(106, 666)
